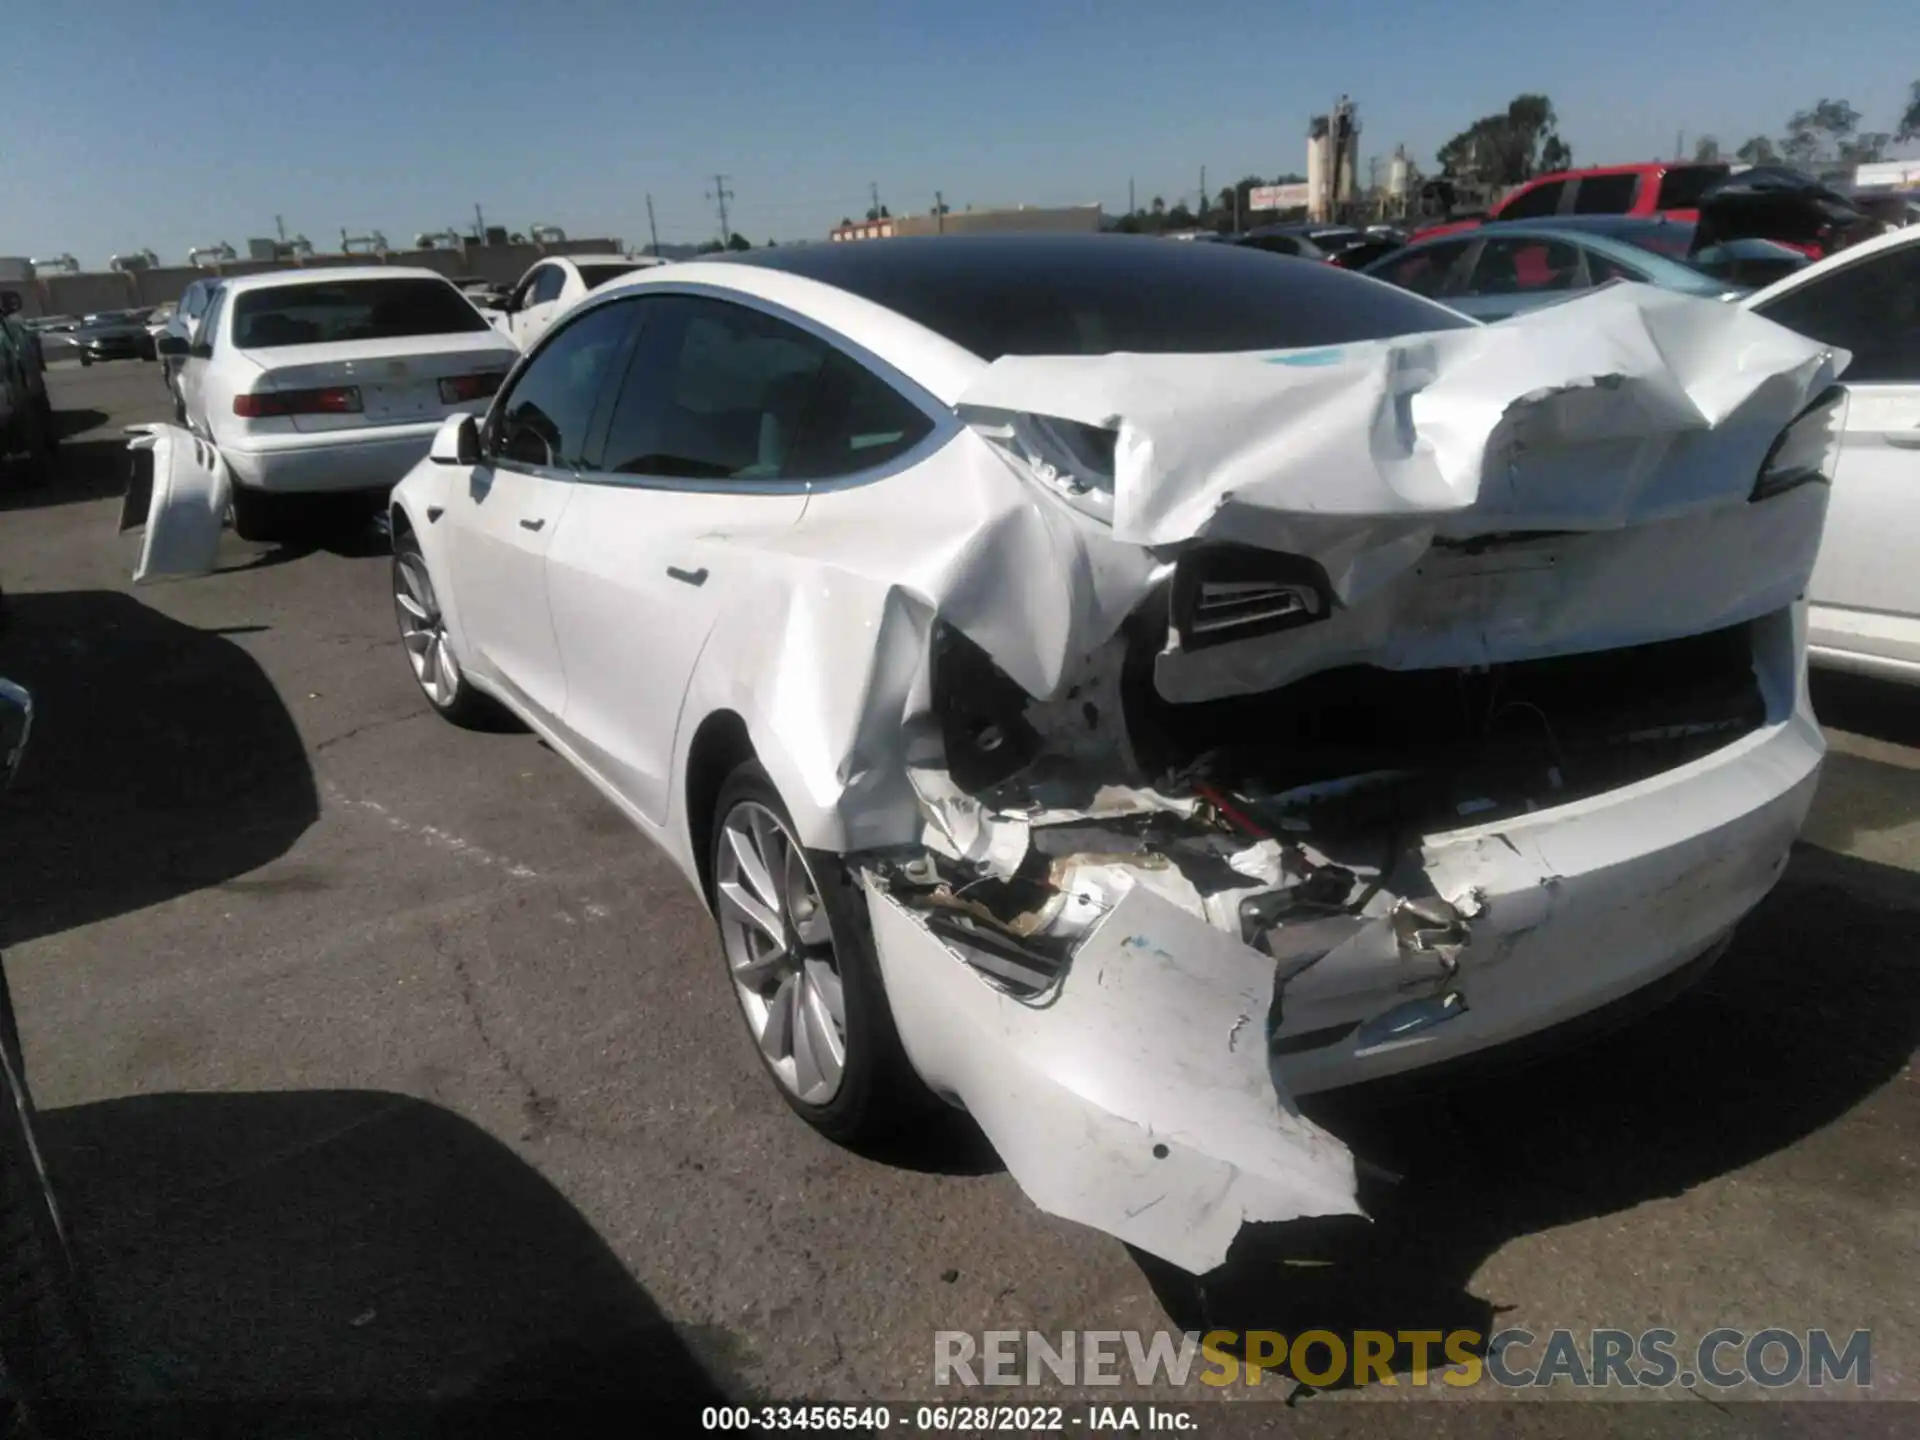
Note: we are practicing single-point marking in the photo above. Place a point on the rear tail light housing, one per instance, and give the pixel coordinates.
(333, 400)
(1807, 449)
(458, 388)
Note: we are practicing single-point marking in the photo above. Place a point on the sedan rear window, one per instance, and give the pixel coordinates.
(350, 310)
(592, 275)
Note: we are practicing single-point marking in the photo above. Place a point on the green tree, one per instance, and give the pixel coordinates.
(1706, 149)
(1909, 127)
(1506, 148)
(1757, 151)
(737, 241)
(1180, 218)
(1820, 133)
(711, 247)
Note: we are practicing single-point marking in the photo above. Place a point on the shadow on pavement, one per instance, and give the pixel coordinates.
(320, 1263)
(68, 423)
(1876, 708)
(162, 761)
(82, 470)
(1815, 1007)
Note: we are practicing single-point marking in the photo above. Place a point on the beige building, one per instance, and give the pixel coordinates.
(1020, 219)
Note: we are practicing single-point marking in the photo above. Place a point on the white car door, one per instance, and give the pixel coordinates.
(1865, 593)
(199, 357)
(695, 473)
(534, 314)
(510, 509)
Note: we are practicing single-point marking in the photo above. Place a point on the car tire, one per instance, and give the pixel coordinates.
(45, 1345)
(85, 359)
(877, 1089)
(429, 648)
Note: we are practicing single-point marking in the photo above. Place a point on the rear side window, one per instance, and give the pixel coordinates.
(715, 391)
(856, 422)
(1519, 266)
(543, 420)
(1682, 187)
(321, 314)
(1533, 203)
(1871, 308)
(1605, 194)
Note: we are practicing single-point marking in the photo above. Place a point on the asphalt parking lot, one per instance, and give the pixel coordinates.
(382, 1060)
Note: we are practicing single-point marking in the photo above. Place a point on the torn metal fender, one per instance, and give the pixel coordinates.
(186, 506)
(1137, 1096)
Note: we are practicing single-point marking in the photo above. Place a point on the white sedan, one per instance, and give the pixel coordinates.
(1119, 688)
(328, 380)
(1865, 593)
(555, 284)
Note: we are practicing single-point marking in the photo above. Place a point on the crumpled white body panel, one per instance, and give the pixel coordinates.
(188, 504)
(1138, 1099)
(1638, 417)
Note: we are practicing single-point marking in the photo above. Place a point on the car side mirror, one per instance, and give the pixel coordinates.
(10, 302)
(457, 442)
(164, 344)
(16, 722)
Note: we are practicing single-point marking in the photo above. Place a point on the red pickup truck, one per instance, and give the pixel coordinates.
(1655, 188)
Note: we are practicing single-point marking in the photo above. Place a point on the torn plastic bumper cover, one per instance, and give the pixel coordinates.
(179, 489)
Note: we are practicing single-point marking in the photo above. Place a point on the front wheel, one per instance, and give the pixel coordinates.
(800, 955)
(423, 634)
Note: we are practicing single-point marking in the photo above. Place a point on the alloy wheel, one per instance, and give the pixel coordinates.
(780, 950)
(423, 631)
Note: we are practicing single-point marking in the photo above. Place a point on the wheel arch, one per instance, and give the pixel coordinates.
(719, 747)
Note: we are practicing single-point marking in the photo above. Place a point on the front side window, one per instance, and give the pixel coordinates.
(1682, 187)
(1534, 203)
(1519, 267)
(1871, 307)
(1605, 194)
(542, 421)
(331, 311)
(715, 391)
(547, 285)
(209, 331)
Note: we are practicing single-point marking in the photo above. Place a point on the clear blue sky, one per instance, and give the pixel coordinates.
(125, 123)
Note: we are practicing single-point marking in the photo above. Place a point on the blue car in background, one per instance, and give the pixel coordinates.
(1503, 268)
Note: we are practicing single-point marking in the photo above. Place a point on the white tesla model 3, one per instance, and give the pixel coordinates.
(1119, 687)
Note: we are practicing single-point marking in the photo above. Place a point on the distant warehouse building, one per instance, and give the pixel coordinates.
(1021, 219)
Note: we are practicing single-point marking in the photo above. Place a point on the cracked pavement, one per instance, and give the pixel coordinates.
(383, 1058)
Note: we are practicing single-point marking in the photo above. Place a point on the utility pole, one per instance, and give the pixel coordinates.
(939, 213)
(719, 195)
(479, 224)
(281, 226)
(873, 188)
(1203, 194)
(1679, 143)
(1130, 195)
(652, 229)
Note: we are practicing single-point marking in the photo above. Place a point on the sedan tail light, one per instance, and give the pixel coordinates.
(456, 388)
(335, 400)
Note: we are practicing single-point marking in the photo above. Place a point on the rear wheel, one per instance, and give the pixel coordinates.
(423, 635)
(260, 515)
(800, 954)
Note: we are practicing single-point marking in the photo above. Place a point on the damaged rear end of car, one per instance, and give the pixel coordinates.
(1413, 697)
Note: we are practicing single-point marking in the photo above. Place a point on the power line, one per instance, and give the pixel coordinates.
(720, 194)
